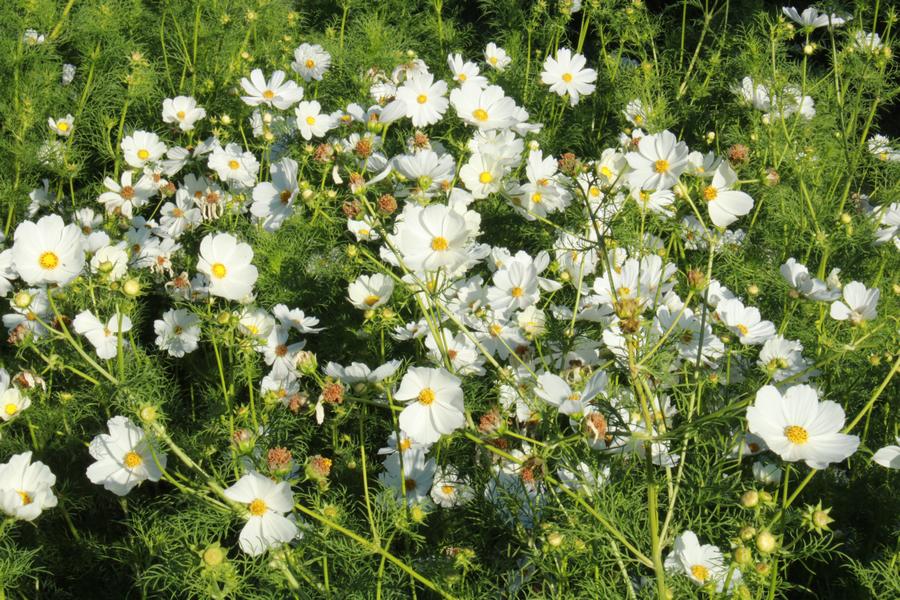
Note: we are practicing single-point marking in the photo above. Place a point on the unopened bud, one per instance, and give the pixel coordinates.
(750, 499)
(766, 542)
(132, 288)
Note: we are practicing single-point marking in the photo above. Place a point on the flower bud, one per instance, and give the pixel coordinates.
(766, 542)
(747, 533)
(22, 299)
(743, 555)
(214, 555)
(149, 414)
(750, 499)
(555, 539)
(132, 288)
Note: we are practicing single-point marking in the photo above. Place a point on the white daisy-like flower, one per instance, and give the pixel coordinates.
(125, 457)
(25, 487)
(812, 18)
(68, 74)
(432, 238)
(410, 478)
(227, 263)
(724, 204)
(311, 121)
(311, 61)
(266, 502)
(496, 57)
(435, 404)
(701, 563)
(449, 488)
(48, 251)
(425, 99)
(554, 390)
(273, 201)
(142, 147)
(567, 76)
(744, 321)
(111, 262)
(126, 197)
(104, 337)
(233, 165)
(465, 72)
(796, 426)
(275, 92)
(488, 108)
(859, 304)
(63, 126)
(370, 291)
(658, 162)
(12, 401)
(183, 111)
(177, 332)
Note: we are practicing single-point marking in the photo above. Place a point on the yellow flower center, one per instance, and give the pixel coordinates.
(536, 198)
(517, 292)
(310, 120)
(26, 498)
(48, 261)
(258, 507)
(371, 300)
(426, 396)
(233, 164)
(638, 119)
(180, 114)
(10, 409)
(439, 244)
(218, 270)
(606, 172)
(594, 191)
(310, 63)
(143, 154)
(710, 193)
(661, 166)
(567, 77)
(447, 489)
(796, 434)
(480, 114)
(461, 77)
(422, 99)
(268, 94)
(623, 291)
(700, 573)
(742, 328)
(485, 177)
(496, 329)
(132, 459)
(493, 60)
(62, 126)
(405, 444)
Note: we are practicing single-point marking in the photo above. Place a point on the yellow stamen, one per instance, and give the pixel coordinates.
(132, 459)
(258, 507)
(480, 114)
(439, 244)
(48, 261)
(661, 166)
(218, 270)
(426, 396)
(796, 434)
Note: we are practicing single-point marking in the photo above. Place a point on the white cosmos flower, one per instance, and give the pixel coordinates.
(273, 201)
(496, 57)
(554, 390)
(724, 204)
(796, 426)
(370, 291)
(125, 198)
(48, 251)
(889, 456)
(435, 404)
(311, 122)
(182, 110)
(488, 108)
(124, 457)
(659, 160)
(744, 321)
(25, 487)
(61, 126)
(859, 304)
(409, 479)
(266, 502)
(702, 564)
(449, 488)
(227, 263)
(465, 72)
(425, 99)
(177, 332)
(359, 372)
(432, 238)
(812, 19)
(12, 401)
(275, 92)
(142, 147)
(483, 174)
(566, 75)
(104, 337)
(233, 165)
(798, 277)
(311, 61)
